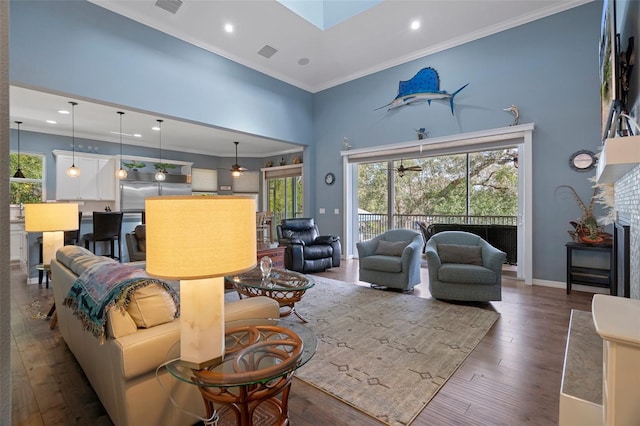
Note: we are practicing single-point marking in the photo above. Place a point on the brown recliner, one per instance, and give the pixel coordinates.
(137, 243)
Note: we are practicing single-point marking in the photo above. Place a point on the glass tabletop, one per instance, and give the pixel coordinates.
(256, 351)
(278, 280)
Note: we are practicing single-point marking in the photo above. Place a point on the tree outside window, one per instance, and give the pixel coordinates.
(29, 189)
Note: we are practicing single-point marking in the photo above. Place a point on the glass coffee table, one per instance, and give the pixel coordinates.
(251, 385)
(283, 286)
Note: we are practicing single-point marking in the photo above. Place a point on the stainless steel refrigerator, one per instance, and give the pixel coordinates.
(134, 192)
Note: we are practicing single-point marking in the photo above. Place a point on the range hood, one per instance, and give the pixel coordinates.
(617, 158)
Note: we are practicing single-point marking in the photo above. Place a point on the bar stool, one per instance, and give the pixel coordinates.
(107, 226)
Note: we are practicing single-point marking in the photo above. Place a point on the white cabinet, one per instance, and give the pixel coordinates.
(17, 241)
(96, 181)
(616, 321)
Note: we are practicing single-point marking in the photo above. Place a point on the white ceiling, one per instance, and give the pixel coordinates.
(373, 40)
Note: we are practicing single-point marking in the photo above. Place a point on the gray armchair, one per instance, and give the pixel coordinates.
(463, 266)
(391, 259)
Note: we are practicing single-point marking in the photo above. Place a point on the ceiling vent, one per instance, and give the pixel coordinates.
(267, 51)
(170, 6)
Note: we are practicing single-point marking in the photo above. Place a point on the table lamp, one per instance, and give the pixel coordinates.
(199, 240)
(52, 219)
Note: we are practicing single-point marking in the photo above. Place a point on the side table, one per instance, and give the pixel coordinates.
(261, 357)
(594, 276)
(46, 269)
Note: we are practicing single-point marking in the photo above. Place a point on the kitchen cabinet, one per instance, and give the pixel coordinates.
(17, 241)
(96, 182)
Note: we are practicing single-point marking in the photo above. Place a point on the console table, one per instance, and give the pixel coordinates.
(275, 253)
(593, 276)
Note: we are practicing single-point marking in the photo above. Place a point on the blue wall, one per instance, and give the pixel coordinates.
(76, 47)
(549, 68)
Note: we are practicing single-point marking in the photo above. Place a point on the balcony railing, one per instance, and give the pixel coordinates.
(372, 224)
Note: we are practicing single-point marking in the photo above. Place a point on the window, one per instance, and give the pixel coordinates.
(29, 189)
(284, 191)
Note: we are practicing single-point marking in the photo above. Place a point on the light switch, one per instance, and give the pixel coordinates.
(336, 211)
(321, 210)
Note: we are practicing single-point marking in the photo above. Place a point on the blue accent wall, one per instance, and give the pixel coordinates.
(78, 48)
(549, 68)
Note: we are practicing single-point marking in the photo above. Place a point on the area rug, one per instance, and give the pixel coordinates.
(386, 353)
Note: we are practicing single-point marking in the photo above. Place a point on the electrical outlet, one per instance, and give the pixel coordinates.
(322, 210)
(336, 211)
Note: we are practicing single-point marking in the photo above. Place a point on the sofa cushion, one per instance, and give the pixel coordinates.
(456, 253)
(119, 323)
(466, 274)
(78, 259)
(151, 305)
(391, 248)
(381, 263)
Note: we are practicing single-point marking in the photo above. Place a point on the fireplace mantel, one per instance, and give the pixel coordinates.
(617, 158)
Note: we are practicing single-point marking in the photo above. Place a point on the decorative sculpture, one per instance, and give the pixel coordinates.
(516, 114)
(424, 86)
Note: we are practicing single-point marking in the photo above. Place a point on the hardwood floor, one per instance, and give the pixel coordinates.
(511, 378)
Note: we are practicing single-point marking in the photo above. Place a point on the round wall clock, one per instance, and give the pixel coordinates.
(582, 160)
(329, 178)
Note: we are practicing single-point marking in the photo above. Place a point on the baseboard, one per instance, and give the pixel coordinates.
(576, 287)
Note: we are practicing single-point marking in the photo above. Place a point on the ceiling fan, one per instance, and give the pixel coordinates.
(401, 169)
(236, 169)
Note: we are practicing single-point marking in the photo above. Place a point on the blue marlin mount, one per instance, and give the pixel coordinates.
(424, 86)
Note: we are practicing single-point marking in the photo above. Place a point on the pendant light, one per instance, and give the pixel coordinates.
(236, 169)
(121, 173)
(19, 173)
(73, 171)
(160, 176)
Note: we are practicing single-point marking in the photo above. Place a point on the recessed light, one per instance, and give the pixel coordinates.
(137, 135)
(228, 28)
(52, 122)
(303, 61)
(63, 111)
(415, 25)
(156, 128)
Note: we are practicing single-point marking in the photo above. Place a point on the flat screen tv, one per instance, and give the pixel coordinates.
(609, 79)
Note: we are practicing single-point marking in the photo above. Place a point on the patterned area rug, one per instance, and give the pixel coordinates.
(385, 353)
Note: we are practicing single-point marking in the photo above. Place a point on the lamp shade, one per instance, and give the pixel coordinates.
(195, 237)
(47, 217)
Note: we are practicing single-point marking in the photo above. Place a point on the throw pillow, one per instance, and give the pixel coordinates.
(455, 253)
(391, 248)
(141, 236)
(151, 305)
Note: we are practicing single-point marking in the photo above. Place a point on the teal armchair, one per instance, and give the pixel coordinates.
(463, 266)
(391, 259)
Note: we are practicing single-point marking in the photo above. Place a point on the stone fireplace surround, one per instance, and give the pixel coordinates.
(627, 202)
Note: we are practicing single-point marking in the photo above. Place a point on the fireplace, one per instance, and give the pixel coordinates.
(621, 258)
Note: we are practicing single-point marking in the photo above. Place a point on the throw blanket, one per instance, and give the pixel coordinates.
(103, 286)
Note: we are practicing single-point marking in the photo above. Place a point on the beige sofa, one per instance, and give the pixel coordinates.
(122, 370)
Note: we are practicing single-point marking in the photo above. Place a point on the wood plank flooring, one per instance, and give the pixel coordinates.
(511, 378)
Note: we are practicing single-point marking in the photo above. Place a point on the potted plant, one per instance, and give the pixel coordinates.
(134, 165)
(586, 229)
(163, 167)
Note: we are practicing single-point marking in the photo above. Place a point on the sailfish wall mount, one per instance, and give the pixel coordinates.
(424, 86)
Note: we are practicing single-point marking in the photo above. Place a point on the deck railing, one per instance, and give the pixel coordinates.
(372, 224)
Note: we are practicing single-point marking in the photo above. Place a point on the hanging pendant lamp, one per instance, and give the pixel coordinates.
(18, 174)
(73, 171)
(236, 169)
(121, 173)
(160, 176)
